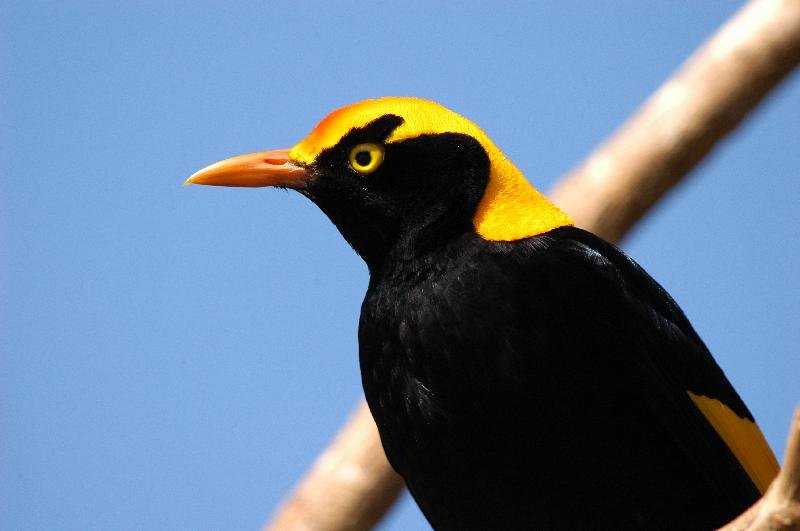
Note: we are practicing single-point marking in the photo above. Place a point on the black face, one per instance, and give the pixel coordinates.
(426, 190)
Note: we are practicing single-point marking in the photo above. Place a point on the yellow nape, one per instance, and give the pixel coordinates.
(743, 438)
(511, 209)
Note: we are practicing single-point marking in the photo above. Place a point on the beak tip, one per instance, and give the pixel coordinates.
(266, 168)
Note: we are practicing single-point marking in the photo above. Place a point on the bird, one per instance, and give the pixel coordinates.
(523, 373)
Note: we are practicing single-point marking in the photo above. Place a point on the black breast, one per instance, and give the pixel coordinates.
(508, 386)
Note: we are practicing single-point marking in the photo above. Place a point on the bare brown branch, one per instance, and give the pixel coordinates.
(351, 485)
(685, 118)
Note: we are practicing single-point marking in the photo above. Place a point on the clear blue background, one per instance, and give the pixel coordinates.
(174, 358)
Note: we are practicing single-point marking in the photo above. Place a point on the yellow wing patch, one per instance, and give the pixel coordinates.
(511, 209)
(743, 438)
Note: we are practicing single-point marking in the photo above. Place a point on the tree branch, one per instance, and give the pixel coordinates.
(779, 508)
(349, 487)
(683, 120)
(351, 484)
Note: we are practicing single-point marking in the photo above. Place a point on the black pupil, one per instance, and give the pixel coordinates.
(363, 158)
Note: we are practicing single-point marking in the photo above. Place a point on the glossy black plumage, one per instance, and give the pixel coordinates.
(541, 384)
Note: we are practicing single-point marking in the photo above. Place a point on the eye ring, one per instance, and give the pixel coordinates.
(366, 158)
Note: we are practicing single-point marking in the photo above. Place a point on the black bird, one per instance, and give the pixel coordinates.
(523, 373)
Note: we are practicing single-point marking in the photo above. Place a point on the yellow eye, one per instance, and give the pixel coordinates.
(366, 158)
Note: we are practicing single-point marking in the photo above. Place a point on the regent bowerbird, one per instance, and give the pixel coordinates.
(523, 373)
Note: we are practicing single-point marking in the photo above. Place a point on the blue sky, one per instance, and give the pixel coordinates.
(174, 358)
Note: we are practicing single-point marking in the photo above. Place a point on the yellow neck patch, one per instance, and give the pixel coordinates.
(511, 209)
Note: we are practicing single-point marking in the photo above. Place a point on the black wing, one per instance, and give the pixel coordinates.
(678, 376)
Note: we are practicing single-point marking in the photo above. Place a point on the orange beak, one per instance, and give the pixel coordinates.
(266, 168)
